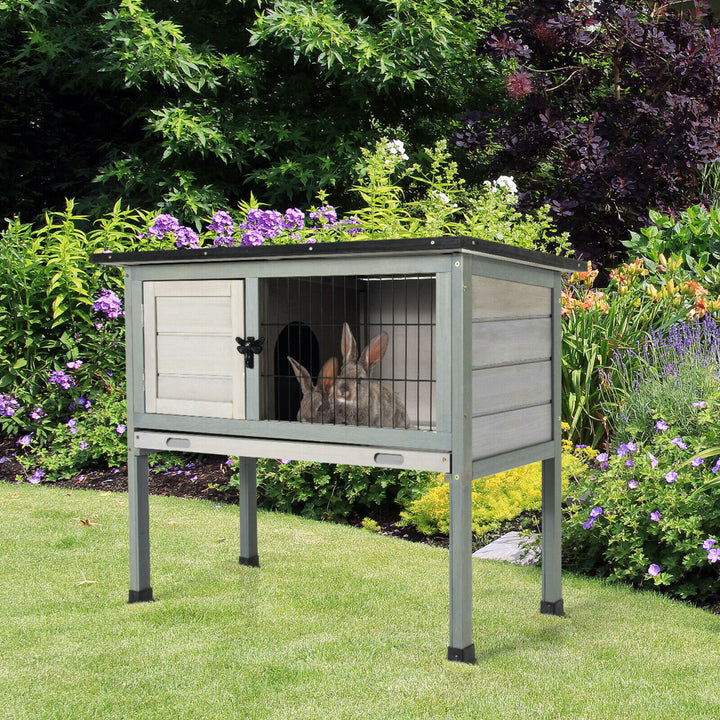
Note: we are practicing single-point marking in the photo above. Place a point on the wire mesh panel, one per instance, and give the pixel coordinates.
(350, 350)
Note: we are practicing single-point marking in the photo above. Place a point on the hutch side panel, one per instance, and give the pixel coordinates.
(511, 365)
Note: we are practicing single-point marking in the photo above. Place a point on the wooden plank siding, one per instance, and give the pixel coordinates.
(511, 366)
(191, 363)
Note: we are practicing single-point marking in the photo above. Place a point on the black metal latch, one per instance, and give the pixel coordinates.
(249, 348)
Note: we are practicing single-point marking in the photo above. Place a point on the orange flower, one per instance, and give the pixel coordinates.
(696, 288)
(587, 277)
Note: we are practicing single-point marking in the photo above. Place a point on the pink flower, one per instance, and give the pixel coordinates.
(518, 85)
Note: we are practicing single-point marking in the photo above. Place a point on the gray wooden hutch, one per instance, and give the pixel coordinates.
(473, 351)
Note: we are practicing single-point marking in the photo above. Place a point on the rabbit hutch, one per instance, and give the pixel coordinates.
(438, 354)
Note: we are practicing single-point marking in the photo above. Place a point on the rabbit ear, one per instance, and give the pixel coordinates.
(348, 346)
(302, 375)
(328, 374)
(375, 351)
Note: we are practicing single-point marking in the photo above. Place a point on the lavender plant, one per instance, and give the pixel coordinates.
(672, 370)
(640, 518)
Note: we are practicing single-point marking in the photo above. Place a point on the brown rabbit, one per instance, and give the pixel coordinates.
(314, 406)
(356, 398)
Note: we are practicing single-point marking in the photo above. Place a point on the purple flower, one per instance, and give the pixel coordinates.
(629, 463)
(252, 237)
(325, 215)
(294, 219)
(163, 225)
(602, 460)
(222, 223)
(36, 477)
(109, 304)
(653, 460)
(654, 570)
(716, 467)
(268, 223)
(708, 544)
(596, 512)
(37, 413)
(185, 237)
(699, 404)
(9, 405)
(284, 462)
(661, 425)
(224, 241)
(623, 450)
(61, 378)
(714, 555)
(351, 225)
(697, 461)
(678, 442)
(74, 364)
(671, 476)
(588, 524)
(632, 484)
(655, 516)
(83, 445)
(120, 429)
(25, 440)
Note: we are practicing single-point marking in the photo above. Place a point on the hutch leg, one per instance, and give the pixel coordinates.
(139, 511)
(461, 647)
(248, 512)
(551, 603)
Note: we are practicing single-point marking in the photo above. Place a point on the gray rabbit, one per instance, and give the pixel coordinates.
(358, 399)
(315, 406)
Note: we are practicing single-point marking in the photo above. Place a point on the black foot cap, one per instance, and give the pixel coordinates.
(466, 655)
(552, 608)
(140, 596)
(253, 561)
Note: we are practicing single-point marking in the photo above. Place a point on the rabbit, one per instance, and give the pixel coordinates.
(356, 398)
(314, 406)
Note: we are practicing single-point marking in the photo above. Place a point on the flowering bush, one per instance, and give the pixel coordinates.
(439, 207)
(641, 296)
(496, 498)
(641, 516)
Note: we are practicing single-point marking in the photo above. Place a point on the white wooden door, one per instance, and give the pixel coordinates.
(192, 366)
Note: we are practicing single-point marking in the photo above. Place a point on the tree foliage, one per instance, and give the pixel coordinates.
(610, 110)
(183, 105)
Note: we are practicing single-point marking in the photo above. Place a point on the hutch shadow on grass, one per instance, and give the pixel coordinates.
(447, 358)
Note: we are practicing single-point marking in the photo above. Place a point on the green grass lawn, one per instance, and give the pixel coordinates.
(336, 623)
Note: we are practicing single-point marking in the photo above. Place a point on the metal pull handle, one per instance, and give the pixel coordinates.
(249, 348)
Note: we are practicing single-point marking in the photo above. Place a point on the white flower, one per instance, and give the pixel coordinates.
(441, 196)
(396, 147)
(506, 183)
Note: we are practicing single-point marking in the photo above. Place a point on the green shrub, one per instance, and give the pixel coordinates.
(495, 499)
(694, 232)
(334, 492)
(642, 516)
